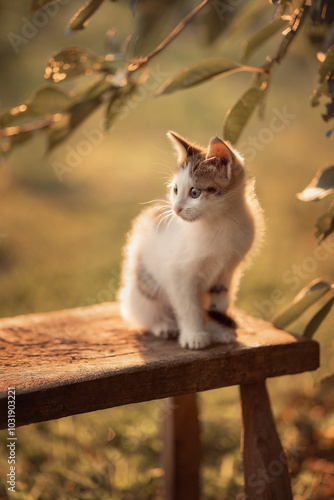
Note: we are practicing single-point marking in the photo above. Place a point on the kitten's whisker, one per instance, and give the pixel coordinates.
(168, 168)
(171, 217)
(166, 173)
(161, 216)
(160, 150)
(169, 181)
(163, 165)
(165, 216)
(166, 211)
(153, 201)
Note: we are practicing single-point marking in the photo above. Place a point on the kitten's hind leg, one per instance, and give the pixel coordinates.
(166, 329)
(219, 333)
(148, 314)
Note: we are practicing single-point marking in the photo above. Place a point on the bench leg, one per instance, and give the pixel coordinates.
(181, 454)
(265, 466)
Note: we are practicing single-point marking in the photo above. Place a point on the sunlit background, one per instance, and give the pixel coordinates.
(61, 238)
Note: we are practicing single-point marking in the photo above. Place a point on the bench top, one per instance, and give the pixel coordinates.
(85, 359)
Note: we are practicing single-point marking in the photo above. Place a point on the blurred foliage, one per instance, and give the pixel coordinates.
(319, 296)
(122, 72)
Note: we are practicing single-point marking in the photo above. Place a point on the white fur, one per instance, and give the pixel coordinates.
(187, 254)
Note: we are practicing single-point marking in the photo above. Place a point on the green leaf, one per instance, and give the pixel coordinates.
(327, 67)
(322, 90)
(46, 100)
(262, 36)
(201, 72)
(319, 317)
(80, 20)
(303, 301)
(248, 15)
(325, 224)
(98, 89)
(118, 101)
(72, 62)
(217, 18)
(14, 136)
(37, 5)
(237, 117)
(49, 100)
(322, 185)
(92, 87)
(72, 119)
(20, 138)
(81, 110)
(14, 115)
(59, 131)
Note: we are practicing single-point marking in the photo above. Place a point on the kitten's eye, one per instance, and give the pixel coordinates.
(175, 189)
(195, 193)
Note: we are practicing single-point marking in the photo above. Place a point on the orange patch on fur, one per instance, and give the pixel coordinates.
(219, 150)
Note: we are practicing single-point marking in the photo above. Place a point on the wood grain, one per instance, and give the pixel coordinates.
(74, 361)
(182, 449)
(265, 465)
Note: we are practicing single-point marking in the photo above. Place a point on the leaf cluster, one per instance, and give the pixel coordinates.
(316, 299)
(118, 74)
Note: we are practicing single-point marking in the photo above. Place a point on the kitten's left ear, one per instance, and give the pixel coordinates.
(183, 147)
(218, 149)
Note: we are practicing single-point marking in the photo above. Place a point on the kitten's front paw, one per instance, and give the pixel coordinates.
(220, 334)
(195, 340)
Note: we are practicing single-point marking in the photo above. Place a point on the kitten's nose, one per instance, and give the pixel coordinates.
(177, 210)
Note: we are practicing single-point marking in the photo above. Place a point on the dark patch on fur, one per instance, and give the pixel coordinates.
(195, 159)
(146, 283)
(223, 319)
(218, 289)
(212, 173)
(212, 190)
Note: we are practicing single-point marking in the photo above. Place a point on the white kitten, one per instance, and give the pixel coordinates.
(183, 260)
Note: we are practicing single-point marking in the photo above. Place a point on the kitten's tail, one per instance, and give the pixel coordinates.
(222, 318)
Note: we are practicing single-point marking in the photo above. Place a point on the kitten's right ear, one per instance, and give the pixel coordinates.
(183, 148)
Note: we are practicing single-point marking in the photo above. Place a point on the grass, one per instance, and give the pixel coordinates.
(63, 249)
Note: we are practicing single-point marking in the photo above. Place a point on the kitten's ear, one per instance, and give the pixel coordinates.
(183, 148)
(218, 149)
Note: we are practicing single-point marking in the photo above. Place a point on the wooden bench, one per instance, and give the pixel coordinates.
(80, 360)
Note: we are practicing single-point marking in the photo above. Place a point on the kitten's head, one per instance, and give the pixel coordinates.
(206, 180)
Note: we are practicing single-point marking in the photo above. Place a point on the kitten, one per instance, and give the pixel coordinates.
(184, 258)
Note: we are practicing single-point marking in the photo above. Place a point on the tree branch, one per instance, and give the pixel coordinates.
(297, 20)
(176, 31)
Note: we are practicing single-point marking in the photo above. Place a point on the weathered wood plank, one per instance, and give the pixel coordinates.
(75, 361)
(265, 465)
(182, 449)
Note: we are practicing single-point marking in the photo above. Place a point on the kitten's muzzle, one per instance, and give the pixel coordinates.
(177, 210)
